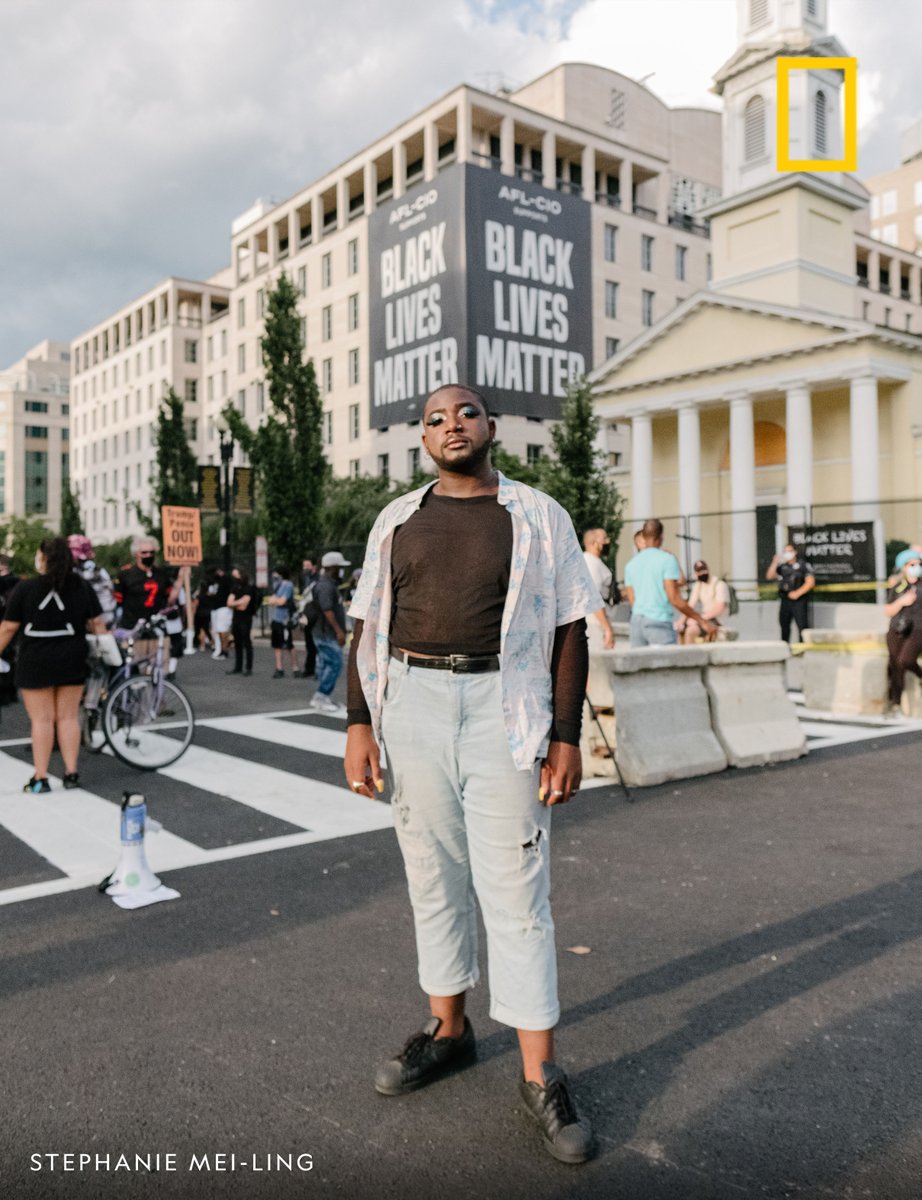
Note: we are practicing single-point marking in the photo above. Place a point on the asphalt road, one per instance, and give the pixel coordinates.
(744, 1025)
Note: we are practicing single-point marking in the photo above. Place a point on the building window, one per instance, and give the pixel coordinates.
(191, 393)
(917, 226)
(811, 8)
(875, 206)
(261, 302)
(36, 481)
(353, 367)
(353, 312)
(353, 422)
(819, 124)
(890, 233)
(36, 431)
(241, 358)
(681, 254)
(352, 257)
(646, 314)
(533, 454)
(302, 281)
(754, 129)
(889, 202)
(326, 324)
(302, 329)
(36, 406)
(260, 398)
(353, 468)
(887, 312)
(328, 427)
(611, 347)
(611, 243)
(611, 299)
(384, 467)
(646, 252)
(190, 351)
(326, 270)
(413, 461)
(241, 312)
(758, 12)
(707, 268)
(327, 376)
(242, 402)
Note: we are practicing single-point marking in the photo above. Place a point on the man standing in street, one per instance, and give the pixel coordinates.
(795, 579)
(469, 666)
(329, 632)
(142, 588)
(308, 579)
(651, 582)
(596, 543)
(282, 603)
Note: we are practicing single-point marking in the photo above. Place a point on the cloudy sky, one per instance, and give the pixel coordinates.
(133, 132)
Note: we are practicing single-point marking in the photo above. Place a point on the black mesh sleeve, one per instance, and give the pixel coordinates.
(357, 712)
(569, 675)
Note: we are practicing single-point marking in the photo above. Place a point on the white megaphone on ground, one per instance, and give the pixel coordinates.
(133, 884)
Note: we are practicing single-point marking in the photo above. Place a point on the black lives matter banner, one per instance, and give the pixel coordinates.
(478, 278)
(529, 292)
(416, 289)
(839, 552)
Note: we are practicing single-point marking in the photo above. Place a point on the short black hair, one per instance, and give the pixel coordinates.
(461, 387)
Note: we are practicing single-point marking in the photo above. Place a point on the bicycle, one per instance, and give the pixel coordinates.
(145, 718)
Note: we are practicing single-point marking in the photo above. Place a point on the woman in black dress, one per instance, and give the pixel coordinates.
(52, 613)
(242, 601)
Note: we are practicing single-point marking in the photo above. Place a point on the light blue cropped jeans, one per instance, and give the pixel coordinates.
(470, 826)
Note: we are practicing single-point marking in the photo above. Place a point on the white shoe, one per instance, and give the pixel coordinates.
(323, 704)
(216, 654)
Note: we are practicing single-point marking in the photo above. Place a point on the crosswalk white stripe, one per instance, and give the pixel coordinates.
(76, 831)
(267, 728)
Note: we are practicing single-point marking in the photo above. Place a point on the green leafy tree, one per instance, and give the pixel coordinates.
(175, 467)
(20, 537)
(575, 475)
(286, 450)
(351, 506)
(71, 517)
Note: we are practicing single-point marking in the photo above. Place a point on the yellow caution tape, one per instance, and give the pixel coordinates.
(841, 647)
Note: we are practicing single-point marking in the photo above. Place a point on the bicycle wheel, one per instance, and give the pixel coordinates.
(148, 727)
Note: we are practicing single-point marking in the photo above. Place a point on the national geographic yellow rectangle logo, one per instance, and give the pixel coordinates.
(849, 68)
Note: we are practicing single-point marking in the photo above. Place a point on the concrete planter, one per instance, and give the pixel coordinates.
(845, 671)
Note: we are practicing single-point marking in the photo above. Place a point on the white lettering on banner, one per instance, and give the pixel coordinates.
(540, 257)
(522, 367)
(416, 372)
(413, 317)
(536, 312)
(543, 203)
(416, 260)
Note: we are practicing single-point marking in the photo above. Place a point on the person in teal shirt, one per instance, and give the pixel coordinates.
(652, 588)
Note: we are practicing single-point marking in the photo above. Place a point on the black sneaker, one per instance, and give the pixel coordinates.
(72, 780)
(425, 1057)
(234, 671)
(278, 674)
(37, 786)
(567, 1136)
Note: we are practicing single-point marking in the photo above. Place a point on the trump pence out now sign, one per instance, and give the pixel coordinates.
(479, 278)
(182, 535)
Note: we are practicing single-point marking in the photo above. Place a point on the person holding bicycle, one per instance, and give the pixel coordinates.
(52, 614)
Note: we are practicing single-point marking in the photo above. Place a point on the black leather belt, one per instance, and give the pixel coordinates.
(460, 664)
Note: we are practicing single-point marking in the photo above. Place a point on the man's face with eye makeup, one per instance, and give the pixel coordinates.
(457, 431)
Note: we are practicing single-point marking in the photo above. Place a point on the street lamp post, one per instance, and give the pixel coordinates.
(227, 453)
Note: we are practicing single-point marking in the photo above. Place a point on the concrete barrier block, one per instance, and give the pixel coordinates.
(753, 718)
(911, 704)
(845, 671)
(662, 715)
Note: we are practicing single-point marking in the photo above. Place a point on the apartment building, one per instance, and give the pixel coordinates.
(121, 368)
(896, 196)
(35, 433)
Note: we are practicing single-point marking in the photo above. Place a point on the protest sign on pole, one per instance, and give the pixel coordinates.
(182, 535)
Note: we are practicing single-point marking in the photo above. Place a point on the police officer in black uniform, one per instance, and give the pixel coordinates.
(795, 579)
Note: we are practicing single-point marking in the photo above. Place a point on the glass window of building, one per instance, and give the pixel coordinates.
(413, 461)
(326, 324)
(242, 402)
(533, 454)
(302, 281)
(241, 312)
(326, 270)
(611, 347)
(327, 376)
(353, 312)
(646, 314)
(261, 302)
(646, 252)
(353, 422)
(754, 129)
(353, 367)
(889, 202)
(328, 428)
(353, 468)
(384, 466)
(681, 256)
(190, 350)
(611, 299)
(260, 398)
(241, 358)
(191, 391)
(352, 257)
(611, 243)
(302, 326)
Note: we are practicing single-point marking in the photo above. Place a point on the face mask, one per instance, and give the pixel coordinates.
(703, 577)
(913, 572)
(148, 559)
(788, 556)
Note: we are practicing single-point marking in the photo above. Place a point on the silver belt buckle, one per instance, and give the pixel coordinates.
(456, 663)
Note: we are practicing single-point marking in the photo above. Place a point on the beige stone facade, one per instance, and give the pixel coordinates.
(896, 197)
(34, 433)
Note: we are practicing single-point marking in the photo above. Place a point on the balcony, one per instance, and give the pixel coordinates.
(612, 199)
(649, 214)
(687, 222)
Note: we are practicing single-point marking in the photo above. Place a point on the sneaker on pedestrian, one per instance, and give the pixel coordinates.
(36, 786)
(276, 674)
(217, 653)
(424, 1058)
(234, 671)
(325, 704)
(567, 1136)
(71, 780)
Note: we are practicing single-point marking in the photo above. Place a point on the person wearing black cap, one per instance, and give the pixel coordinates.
(710, 596)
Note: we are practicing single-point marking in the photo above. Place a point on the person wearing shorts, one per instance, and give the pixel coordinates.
(282, 603)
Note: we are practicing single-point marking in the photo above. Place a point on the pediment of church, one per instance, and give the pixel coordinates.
(751, 55)
(713, 333)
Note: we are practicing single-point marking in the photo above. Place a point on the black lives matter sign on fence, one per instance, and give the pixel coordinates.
(529, 292)
(479, 278)
(839, 552)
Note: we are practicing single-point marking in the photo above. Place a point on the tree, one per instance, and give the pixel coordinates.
(20, 537)
(71, 518)
(575, 476)
(175, 467)
(286, 449)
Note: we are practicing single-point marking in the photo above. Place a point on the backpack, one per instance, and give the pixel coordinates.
(734, 606)
(307, 614)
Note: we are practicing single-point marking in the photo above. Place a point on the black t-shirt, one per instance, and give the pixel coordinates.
(222, 591)
(450, 569)
(792, 576)
(142, 592)
(328, 598)
(912, 612)
(244, 614)
(52, 630)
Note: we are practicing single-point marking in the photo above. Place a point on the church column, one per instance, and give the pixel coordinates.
(865, 448)
(799, 440)
(641, 467)
(690, 477)
(743, 491)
